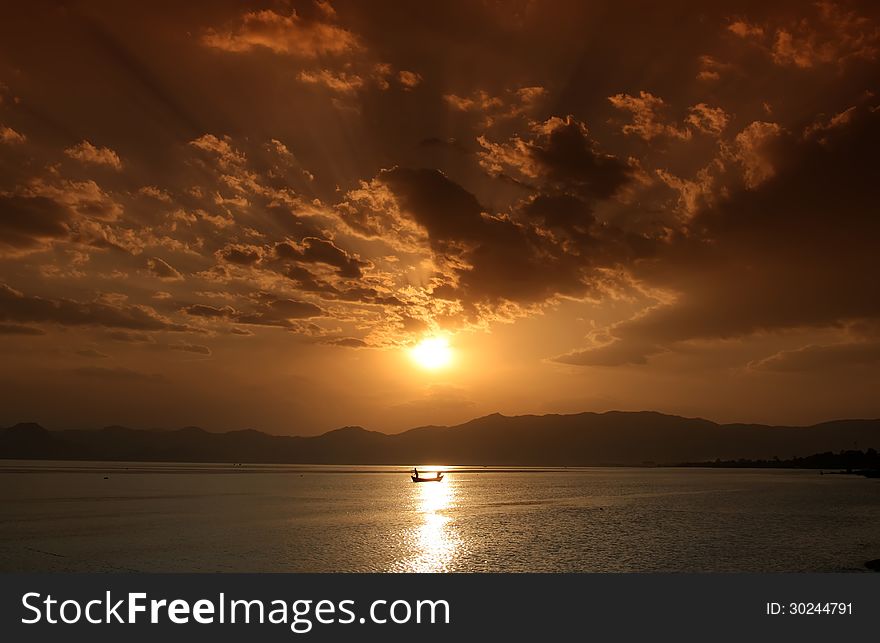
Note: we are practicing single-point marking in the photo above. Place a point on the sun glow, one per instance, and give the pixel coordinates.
(432, 353)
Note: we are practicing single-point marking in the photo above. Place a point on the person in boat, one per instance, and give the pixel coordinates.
(415, 472)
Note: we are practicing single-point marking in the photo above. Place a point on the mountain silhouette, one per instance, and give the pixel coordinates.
(613, 438)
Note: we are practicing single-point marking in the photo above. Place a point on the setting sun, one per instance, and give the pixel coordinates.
(432, 353)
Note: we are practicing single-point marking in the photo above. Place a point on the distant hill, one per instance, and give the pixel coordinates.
(849, 460)
(613, 438)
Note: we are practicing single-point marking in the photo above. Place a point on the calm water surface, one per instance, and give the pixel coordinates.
(58, 516)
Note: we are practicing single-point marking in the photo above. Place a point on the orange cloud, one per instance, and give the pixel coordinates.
(711, 68)
(834, 36)
(283, 34)
(409, 79)
(85, 152)
(513, 103)
(819, 128)
(647, 119)
(9, 135)
(752, 150)
(711, 120)
(338, 82)
(744, 29)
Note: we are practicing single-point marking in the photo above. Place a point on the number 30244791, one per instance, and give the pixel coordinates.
(806, 609)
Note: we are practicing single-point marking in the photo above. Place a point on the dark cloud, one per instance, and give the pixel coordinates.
(119, 374)
(241, 255)
(92, 353)
(561, 156)
(817, 358)
(204, 310)
(163, 270)
(27, 222)
(268, 310)
(798, 250)
(444, 143)
(130, 337)
(447, 211)
(293, 309)
(491, 259)
(313, 250)
(47, 210)
(346, 342)
(15, 329)
(306, 281)
(613, 352)
(186, 347)
(560, 212)
(15, 306)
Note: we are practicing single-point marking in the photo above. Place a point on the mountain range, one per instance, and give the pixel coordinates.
(584, 439)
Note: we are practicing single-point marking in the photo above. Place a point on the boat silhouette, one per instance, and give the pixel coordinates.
(417, 478)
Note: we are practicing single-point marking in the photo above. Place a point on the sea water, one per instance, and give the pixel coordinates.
(88, 516)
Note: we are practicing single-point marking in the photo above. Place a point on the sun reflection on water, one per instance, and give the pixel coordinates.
(435, 540)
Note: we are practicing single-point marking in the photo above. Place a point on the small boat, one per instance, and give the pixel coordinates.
(417, 478)
(437, 478)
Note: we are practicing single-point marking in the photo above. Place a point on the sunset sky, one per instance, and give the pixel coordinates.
(245, 215)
